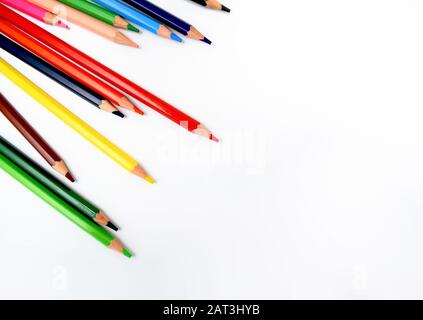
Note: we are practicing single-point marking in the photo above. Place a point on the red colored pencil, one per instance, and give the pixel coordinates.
(107, 74)
(65, 65)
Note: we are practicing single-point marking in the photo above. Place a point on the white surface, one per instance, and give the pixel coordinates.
(314, 192)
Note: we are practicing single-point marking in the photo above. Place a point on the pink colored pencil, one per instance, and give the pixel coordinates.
(35, 12)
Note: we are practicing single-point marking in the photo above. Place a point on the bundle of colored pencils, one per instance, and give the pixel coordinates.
(103, 16)
(89, 79)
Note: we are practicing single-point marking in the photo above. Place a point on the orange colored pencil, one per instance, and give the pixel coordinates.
(85, 21)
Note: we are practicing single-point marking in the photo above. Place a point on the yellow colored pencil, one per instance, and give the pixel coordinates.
(73, 121)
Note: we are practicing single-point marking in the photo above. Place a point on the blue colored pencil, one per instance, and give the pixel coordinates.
(138, 18)
(167, 18)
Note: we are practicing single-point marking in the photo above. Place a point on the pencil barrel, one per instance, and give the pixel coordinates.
(36, 171)
(92, 9)
(130, 14)
(68, 117)
(55, 201)
(51, 71)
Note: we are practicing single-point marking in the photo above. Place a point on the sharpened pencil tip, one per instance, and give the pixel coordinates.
(212, 137)
(206, 40)
(112, 226)
(119, 114)
(175, 37)
(225, 8)
(140, 172)
(70, 177)
(139, 111)
(150, 179)
(126, 253)
(133, 28)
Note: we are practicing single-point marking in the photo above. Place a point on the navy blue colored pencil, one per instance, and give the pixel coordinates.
(168, 19)
(55, 74)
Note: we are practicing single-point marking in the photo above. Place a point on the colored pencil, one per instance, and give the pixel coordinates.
(36, 12)
(62, 206)
(212, 4)
(73, 121)
(138, 18)
(38, 173)
(106, 73)
(65, 65)
(168, 19)
(55, 74)
(100, 13)
(85, 21)
(34, 138)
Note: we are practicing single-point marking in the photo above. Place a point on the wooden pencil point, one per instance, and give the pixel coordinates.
(140, 172)
(193, 33)
(61, 167)
(107, 106)
(119, 22)
(164, 32)
(117, 246)
(127, 104)
(204, 132)
(122, 39)
(50, 18)
(103, 219)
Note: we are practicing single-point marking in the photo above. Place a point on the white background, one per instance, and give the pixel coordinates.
(314, 192)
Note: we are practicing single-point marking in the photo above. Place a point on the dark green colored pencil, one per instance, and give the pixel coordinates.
(61, 206)
(37, 172)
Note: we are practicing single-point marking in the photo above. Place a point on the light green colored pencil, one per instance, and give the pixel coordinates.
(60, 205)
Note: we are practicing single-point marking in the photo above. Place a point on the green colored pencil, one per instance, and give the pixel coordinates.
(62, 206)
(100, 13)
(36, 171)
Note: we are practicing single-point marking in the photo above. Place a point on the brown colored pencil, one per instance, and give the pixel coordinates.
(34, 138)
(85, 21)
